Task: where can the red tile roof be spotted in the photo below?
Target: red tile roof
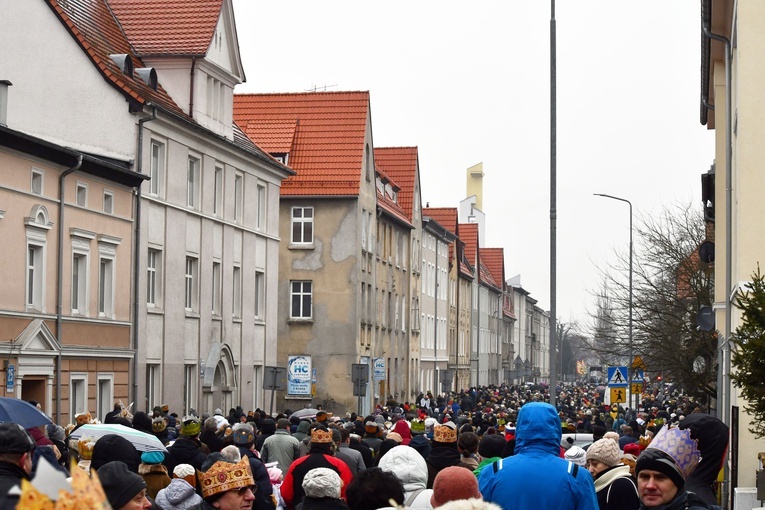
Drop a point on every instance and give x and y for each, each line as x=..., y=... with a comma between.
x=485, y=275
x=465, y=270
x=168, y=27
x=494, y=259
x=328, y=142
x=469, y=235
x=400, y=163
x=444, y=216
x=98, y=33
x=275, y=137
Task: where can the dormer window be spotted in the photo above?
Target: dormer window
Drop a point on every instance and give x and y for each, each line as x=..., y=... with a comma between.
x=281, y=157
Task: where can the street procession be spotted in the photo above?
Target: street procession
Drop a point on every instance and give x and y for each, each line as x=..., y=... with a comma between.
x=520, y=285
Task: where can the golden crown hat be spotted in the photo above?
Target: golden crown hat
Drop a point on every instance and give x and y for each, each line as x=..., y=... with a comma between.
x=446, y=433
x=321, y=436
x=49, y=490
x=224, y=476
x=677, y=443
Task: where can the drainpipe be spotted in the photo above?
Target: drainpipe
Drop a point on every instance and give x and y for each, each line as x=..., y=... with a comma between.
x=60, y=279
x=726, y=393
x=137, y=252
x=191, y=86
x=435, y=329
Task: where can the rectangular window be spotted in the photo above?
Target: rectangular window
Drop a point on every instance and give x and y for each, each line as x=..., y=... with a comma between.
x=261, y=219
x=237, y=298
x=35, y=276
x=218, y=196
x=78, y=394
x=238, y=197
x=216, y=288
x=104, y=395
x=79, y=283
x=301, y=293
x=108, y=202
x=260, y=287
x=189, y=387
x=302, y=225
x=82, y=194
x=37, y=181
x=152, y=386
x=191, y=284
x=192, y=183
x=106, y=287
x=157, y=167
x=153, y=277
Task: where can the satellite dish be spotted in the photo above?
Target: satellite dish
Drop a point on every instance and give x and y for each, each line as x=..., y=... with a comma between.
x=705, y=318
x=707, y=252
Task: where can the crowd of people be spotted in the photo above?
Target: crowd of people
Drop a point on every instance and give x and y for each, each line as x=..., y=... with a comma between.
x=483, y=448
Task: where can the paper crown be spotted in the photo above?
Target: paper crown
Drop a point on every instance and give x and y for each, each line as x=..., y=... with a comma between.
x=49, y=490
x=243, y=433
x=158, y=425
x=224, y=476
x=446, y=433
x=321, y=436
x=678, y=444
x=83, y=418
x=418, y=426
x=85, y=447
x=191, y=426
x=371, y=427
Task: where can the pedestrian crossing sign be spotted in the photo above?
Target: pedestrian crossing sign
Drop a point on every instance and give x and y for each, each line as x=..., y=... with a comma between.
x=618, y=395
x=617, y=376
x=638, y=377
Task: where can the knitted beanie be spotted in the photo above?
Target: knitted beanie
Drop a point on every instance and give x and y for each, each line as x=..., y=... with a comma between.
x=120, y=485
x=576, y=455
x=322, y=483
x=657, y=460
x=491, y=445
x=187, y=472
x=605, y=451
x=453, y=483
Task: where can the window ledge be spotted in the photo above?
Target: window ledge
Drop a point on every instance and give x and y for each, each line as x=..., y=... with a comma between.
x=216, y=317
x=191, y=314
x=309, y=246
x=154, y=310
x=299, y=321
x=236, y=320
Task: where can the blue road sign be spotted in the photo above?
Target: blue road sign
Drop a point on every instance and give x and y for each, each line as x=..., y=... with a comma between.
x=617, y=376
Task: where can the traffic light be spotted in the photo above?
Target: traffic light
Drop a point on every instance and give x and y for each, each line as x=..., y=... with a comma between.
x=658, y=377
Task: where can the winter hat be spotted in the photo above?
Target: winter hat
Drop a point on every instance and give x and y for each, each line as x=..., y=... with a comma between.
x=632, y=448
x=119, y=483
x=576, y=455
x=491, y=445
x=395, y=436
x=605, y=451
x=612, y=436
x=112, y=447
x=322, y=483
x=453, y=483
x=55, y=432
x=243, y=434
x=152, y=457
x=598, y=432
x=422, y=444
x=187, y=472
x=672, y=452
x=662, y=462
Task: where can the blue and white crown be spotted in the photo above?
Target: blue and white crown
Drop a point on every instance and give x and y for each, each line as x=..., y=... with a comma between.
x=678, y=444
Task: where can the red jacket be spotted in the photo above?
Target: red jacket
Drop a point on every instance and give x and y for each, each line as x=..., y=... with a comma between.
x=292, y=486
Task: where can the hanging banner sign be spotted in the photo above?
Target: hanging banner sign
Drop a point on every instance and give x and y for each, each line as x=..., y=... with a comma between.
x=299, y=375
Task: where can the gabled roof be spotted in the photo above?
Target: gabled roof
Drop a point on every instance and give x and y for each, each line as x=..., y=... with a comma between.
x=445, y=216
x=400, y=163
x=274, y=137
x=465, y=269
x=494, y=260
x=98, y=33
x=469, y=235
x=485, y=275
x=168, y=27
x=387, y=204
x=327, y=151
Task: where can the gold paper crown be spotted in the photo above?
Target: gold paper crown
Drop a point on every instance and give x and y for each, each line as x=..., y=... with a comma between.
x=321, y=436
x=224, y=476
x=85, y=493
x=678, y=444
x=445, y=433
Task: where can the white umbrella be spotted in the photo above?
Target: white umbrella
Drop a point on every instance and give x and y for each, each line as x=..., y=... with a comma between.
x=142, y=441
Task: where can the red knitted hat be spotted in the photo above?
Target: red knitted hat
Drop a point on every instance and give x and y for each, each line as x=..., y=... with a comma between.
x=454, y=483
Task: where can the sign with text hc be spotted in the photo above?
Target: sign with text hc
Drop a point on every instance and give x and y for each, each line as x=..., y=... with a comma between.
x=299, y=375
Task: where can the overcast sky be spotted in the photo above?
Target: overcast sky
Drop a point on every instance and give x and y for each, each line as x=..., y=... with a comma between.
x=470, y=83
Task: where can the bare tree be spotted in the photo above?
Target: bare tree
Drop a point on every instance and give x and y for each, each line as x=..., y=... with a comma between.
x=670, y=284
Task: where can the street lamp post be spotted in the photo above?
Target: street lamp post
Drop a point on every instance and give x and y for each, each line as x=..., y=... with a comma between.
x=629, y=365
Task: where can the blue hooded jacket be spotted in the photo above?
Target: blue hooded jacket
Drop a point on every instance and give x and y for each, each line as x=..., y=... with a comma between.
x=536, y=477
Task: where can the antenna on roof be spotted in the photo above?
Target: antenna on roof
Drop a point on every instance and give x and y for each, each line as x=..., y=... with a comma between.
x=317, y=88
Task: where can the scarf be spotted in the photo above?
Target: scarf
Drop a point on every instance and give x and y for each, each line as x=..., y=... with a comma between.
x=607, y=477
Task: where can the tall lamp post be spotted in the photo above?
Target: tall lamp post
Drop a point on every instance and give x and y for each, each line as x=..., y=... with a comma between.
x=629, y=366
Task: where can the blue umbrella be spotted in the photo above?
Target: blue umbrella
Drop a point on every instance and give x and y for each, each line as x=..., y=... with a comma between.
x=21, y=412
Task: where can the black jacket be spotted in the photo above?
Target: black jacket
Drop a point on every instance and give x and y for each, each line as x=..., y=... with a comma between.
x=259, y=471
x=10, y=481
x=184, y=451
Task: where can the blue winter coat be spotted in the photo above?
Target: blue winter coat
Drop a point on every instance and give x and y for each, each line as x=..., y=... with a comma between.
x=536, y=477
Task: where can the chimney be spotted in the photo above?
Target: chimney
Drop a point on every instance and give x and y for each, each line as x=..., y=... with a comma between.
x=4, y=84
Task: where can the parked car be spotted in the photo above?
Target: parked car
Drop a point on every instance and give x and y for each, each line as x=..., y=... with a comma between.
x=580, y=439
